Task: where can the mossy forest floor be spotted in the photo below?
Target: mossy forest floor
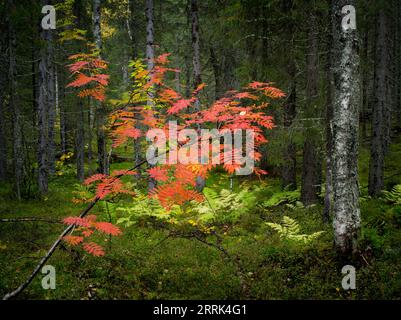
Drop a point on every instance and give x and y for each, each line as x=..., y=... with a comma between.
x=144, y=263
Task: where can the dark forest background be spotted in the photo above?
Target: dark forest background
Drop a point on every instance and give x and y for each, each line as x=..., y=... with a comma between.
x=51, y=140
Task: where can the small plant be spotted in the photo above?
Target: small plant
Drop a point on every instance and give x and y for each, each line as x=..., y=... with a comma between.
x=290, y=230
x=393, y=196
x=288, y=197
x=63, y=165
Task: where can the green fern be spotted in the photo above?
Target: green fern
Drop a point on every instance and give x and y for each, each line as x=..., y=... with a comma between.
x=289, y=230
x=289, y=197
x=393, y=196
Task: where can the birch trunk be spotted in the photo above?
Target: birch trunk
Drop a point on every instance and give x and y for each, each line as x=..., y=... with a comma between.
x=346, y=101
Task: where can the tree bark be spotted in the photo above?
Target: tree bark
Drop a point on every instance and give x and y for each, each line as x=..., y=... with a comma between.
x=3, y=85
x=196, y=46
x=397, y=67
x=346, y=101
x=328, y=197
x=379, y=115
x=311, y=166
x=150, y=56
x=42, y=117
x=200, y=182
x=17, y=116
x=80, y=142
x=289, y=168
x=51, y=104
x=100, y=109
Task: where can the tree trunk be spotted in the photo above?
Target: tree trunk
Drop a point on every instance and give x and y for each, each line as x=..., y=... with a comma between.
x=346, y=101
x=289, y=169
x=51, y=105
x=17, y=116
x=196, y=46
x=42, y=117
x=63, y=115
x=200, y=182
x=311, y=167
x=100, y=109
x=376, y=172
x=329, y=118
x=150, y=56
x=80, y=142
x=397, y=106
x=3, y=85
x=217, y=73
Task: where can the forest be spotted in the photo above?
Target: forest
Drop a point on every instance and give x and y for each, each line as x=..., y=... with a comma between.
x=200, y=149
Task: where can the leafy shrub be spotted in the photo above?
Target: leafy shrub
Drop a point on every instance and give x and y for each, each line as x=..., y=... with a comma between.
x=393, y=196
x=289, y=197
x=289, y=230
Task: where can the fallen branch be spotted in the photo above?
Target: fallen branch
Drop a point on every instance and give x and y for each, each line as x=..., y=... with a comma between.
x=64, y=233
x=59, y=240
x=47, y=220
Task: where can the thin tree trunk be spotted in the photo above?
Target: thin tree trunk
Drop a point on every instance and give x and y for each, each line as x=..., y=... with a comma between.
x=200, y=182
x=90, y=136
x=18, y=153
x=196, y=46
x=42, y=117
x=63, y=121
x=51, y=105
x=289, y=167
x=150, y=56
x=80, y=142
x=397, y=106
x=217, y=73
x=328, y=197
x=3, y=84
x=100, y=109
x=346, y=101
x=311, y=166
x=376, y=172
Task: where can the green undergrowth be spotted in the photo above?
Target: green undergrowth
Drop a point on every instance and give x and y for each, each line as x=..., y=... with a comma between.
x=150, y=261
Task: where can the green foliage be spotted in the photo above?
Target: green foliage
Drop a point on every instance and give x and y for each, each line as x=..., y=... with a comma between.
x=64, y=165
x=143, y=207
x=393, y=196
x=289, y=230
x=278, y=198
x=371, y=237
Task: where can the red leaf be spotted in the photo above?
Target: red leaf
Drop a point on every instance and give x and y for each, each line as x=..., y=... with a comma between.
x=94, y=249
x=73, y=240
x=80, y=81
x=159, y=174
x=108, y=228
x=179, y=105
x=94, y=178
x=82, y=222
